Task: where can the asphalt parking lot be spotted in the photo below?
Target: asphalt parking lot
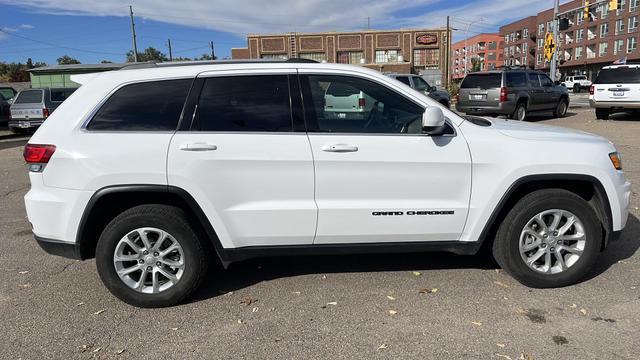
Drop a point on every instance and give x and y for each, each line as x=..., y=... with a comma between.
x=427, y=306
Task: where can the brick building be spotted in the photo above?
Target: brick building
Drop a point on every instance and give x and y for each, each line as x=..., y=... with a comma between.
x=400, y=51
x=520, y=42
x=487, y=48
x=587, y=46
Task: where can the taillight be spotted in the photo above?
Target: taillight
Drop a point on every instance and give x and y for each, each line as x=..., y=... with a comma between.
x=361, y=103
x=38, y=154
x=503, y=94
x=591, y=90
x=45, y=113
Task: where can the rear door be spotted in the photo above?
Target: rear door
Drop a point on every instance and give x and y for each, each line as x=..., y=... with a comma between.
x=620, y=84
x=244, y=162
x=551, y=95
x=481, y=89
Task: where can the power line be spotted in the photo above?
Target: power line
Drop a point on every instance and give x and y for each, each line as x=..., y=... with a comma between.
x=59, y=46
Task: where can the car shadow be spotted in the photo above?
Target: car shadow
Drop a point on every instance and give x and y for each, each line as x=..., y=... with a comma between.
x=244, y=274
x=625, y=116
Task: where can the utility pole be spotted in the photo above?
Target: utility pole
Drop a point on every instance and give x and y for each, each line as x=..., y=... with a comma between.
x=554, y=59
x=133, y=35
x=368, y=22
x=170, y=53
x=213, y=56
x=447, y=65
x=466, y=36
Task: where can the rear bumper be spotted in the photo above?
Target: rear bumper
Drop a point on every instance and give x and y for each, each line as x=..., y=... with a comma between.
x=59, y=248
x=505, y=108
x=25, y=124
x=614, y=104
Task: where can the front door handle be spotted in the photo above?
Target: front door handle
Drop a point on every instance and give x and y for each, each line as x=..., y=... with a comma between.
x=198, y=147
x=340, y=148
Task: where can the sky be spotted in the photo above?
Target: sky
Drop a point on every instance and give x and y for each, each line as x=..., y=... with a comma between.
x=95, y=30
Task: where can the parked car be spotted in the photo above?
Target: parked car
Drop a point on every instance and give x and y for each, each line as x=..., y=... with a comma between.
x=33, y=106
x=418, y=83
x=159, y=173
x=514, y=93
x=343, y=101
x=616, y=88
x=6, y=98
x=576, y=82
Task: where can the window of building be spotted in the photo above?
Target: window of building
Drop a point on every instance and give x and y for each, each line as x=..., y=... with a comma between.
x=148, y=106
x=386, y=56
x=540, y=43
x=525, y=33
x=579, y=18
x=578, y=52
x=602, y=49
x=591, y=33
x=244, y=103
x=603, y=10
x=633, y=5
x=525, y=47
x=540, y=29
x=274, y=56
x=618, y=46
x=539, y=58
x=580, y=35
x=604, y=30
x=378, y=109
x=350, y=57
x=429, y=58
x=632, y=45
x=633, y=23
x=619, y=26
x=316, y=56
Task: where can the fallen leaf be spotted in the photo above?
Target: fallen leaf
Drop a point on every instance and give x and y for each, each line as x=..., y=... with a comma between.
x=120, y=351
x=97, y=349
x=390, y=297
x=80, y=303
x=383, y=346
x=83, y=348
x=25, y=286
x=248, y=301
x=500, y=345
x=503, y=356
x=99, y=312
x=583, y=311
x=477, y=323
x=505, y=298
x=501, y=284
x=434, y=290
x=392, y=312
x=524, y=356
x=23, y=272
x=417, y=273
x=428, y=291
x=573, y=306
x=255, y=309
x=633, y=288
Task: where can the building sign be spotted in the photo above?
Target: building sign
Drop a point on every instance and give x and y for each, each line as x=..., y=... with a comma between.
x=427, y=39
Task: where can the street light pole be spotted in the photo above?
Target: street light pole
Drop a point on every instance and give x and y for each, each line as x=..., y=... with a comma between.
x=466, y=36
x=554, y=59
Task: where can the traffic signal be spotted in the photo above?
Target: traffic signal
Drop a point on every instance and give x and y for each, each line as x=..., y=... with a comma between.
x=586, y=10
x=613, y=5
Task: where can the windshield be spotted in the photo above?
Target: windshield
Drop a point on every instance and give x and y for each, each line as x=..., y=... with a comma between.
x=29, y=97
x=420, y=84
x=580, y=78
x=6, y=94
x=482, y=81
x=621, y=75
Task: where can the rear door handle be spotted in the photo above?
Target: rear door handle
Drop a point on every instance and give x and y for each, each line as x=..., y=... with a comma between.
x=340, y=148
x=198, y=147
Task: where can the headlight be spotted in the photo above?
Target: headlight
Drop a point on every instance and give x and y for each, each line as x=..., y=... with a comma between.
x=615, y=160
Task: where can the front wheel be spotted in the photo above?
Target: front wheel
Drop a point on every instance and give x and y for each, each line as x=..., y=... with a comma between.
x=561, y=109
x=149, y=256
x=550, y=238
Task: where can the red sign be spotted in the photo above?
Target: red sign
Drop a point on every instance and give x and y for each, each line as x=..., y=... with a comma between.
x=427, y=39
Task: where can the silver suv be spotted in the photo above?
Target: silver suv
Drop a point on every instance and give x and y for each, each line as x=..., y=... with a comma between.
x=513, y=93
x=33, y=106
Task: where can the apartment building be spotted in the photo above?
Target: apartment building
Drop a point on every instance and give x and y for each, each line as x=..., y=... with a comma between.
x=486, y=49
x=520, y=39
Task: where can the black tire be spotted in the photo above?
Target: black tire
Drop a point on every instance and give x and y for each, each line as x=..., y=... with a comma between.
x=576, y=88
x=602, y=114
x=517, y=115
x=167, y=218
x=506, y=244
x=445, y=104
x=561, y=108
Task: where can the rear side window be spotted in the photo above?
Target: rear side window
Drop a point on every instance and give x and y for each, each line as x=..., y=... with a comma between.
x=7, y=94
x=482, y=81
x=29, y=97
x=343, y=90
x=533, y=80
x=517, y=79
x=629, y=75
x=149, y=106
x=403, y=79
x=60, y=95
x=244, y=103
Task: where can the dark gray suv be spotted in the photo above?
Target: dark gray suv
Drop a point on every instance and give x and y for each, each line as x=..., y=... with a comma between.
x=513, y=93
x=418, y=83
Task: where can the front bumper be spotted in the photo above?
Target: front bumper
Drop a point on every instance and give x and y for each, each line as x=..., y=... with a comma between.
x=59, y=248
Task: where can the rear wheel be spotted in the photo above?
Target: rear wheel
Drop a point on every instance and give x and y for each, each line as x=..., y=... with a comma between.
x=561, y=108
x=520, y=113
x=602, y=114
x=550, y=238
x=149, y=256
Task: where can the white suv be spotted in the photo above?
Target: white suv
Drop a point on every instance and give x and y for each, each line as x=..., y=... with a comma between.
x=616, y=88
x=576, y=83
x=158, y=171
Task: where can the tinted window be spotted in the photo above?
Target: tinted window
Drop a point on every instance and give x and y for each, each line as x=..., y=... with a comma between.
x=29, y=97
x=60, y=95
x=516, y=79
x=404, y=79
x=377, y=109
x=580, y=78
x=482, y=81
x=545, y=81
x=7, y=94
x=629, y=75
x=342, y=90
x=420, y=84
x=533, y=80
x=245, y=103
x=144, y=106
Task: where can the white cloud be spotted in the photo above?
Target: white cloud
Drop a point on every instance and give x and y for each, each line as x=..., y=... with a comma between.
x=26, y=26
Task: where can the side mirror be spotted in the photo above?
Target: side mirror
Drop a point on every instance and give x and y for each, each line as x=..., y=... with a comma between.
x=432, y=89
x=433, y=121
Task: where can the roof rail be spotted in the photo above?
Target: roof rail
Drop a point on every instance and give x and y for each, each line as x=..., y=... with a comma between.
x=153, y=64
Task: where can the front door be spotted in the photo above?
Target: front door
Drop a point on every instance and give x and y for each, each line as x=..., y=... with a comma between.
x=378, y=177
x=241, y=159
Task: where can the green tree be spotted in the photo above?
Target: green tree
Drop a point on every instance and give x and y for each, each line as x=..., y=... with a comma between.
x=67, y=60
x=206, y=57
x=13, y=72
x=475, y=64
x=106, y=62
x=180, y=58
x=149, y=54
